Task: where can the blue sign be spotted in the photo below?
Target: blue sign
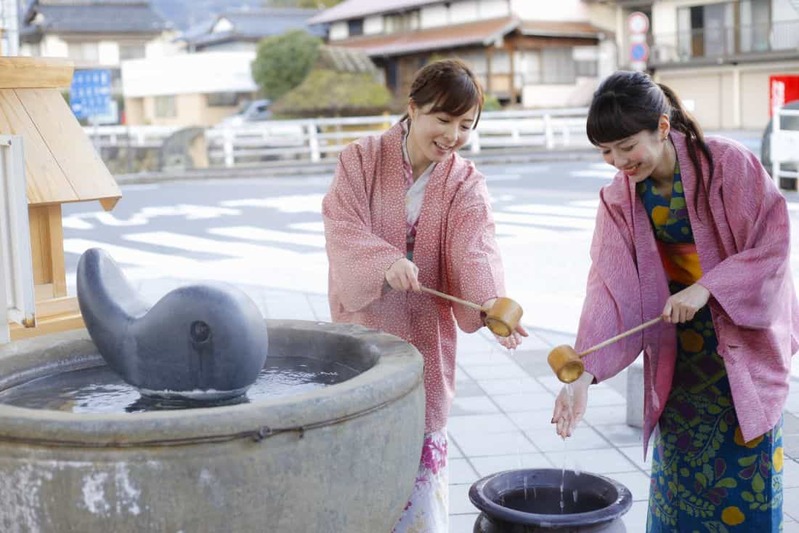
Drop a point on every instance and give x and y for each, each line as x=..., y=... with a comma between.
x=639, y=52
x=90, y=93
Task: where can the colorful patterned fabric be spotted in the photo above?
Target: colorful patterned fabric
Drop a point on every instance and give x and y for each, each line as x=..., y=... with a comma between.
x=705, y=478
x=427, y=511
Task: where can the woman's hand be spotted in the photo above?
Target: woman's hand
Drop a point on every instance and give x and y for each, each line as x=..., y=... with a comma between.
x=682, y=307
x=570, y=405
x=512, y=341
x=403, y=275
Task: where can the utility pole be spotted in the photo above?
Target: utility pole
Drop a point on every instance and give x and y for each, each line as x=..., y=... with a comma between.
x=9, y=28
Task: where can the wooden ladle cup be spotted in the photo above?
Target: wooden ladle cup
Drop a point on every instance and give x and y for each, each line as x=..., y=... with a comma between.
x=568, y=364
x=501, y=318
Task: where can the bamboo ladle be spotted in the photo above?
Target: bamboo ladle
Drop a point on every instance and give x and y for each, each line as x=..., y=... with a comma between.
x=568, y=364
x=501, y=318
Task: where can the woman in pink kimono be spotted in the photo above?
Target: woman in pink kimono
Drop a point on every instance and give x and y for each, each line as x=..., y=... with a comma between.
x=404, y=211
x=694, y=230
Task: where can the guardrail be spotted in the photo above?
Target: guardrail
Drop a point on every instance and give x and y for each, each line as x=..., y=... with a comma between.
x=315, y=139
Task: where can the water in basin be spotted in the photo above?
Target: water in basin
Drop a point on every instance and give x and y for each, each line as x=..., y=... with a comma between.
x=98, y=389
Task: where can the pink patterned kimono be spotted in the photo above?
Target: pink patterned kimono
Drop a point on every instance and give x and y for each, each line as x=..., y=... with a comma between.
x=743, y=242
x=455, y=250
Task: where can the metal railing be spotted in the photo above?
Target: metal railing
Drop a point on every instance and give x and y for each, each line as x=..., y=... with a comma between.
x=728, y=41
x=316, y=139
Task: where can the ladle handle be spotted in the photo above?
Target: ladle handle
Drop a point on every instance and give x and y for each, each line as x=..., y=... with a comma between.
x=453, y=298
x=620, y=336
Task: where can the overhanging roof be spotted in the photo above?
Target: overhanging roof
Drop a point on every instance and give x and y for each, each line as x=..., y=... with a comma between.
x=475, y=33
x=552, y=28
x=351, y=9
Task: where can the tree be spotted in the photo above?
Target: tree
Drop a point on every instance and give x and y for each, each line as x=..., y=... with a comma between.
x=282, y=62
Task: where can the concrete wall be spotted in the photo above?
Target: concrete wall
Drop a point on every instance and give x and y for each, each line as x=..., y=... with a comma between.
x=727, y=97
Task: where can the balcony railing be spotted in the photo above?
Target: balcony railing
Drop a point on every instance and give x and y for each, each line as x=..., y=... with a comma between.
x=738, y=42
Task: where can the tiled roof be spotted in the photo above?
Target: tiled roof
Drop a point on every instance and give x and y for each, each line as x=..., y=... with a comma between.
x=551, y=28
x=93, y=17
x=350, y=9
x=252, y=25
x=483, y=32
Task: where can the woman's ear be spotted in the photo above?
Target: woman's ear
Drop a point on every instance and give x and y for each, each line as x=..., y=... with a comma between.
x=664, y=127
x=412, y=109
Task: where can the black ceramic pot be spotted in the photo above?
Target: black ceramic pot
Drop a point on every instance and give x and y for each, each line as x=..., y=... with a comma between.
x=531, y=501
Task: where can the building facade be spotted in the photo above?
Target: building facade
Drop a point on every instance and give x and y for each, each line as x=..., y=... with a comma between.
x=718, y=55
x=523, y=54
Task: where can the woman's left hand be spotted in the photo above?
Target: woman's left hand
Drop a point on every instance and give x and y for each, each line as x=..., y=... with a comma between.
x=682, y=306
x=512, y=341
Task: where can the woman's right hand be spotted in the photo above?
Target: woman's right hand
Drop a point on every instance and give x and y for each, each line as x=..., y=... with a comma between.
x=570, y=405
x=403, y=275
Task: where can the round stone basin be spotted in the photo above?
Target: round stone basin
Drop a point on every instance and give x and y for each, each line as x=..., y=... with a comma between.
x=334, y=456
x=541, y=499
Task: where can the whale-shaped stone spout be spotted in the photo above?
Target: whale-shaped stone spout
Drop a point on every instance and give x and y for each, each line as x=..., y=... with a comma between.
x=198, y=342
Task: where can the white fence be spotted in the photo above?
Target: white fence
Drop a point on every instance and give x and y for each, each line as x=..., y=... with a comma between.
x=315, y=139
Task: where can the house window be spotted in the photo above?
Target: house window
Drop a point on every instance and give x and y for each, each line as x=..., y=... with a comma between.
x=84, y=52
x=131, y=51
x=228, y=99
x=707, y=30
x=165, y=107
x=558, y=66
x=756, y=30
x=355, y=27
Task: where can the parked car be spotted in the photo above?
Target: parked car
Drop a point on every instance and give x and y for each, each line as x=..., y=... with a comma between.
x=250, y=112
x=789, y=123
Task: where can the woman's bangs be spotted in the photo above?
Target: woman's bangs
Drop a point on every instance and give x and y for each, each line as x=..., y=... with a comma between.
x=457, y=101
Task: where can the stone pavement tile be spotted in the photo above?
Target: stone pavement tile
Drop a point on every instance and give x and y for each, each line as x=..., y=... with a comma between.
x=636, y=455
x=459, y=502
x=621, y=434
x=600, y=415
x=534, y=362
x=517, y=403
x=463, y=523
x=637, y=482
x=602, y=461
x=486, y=466
x=790, y=503
x=482, y=357
x=790, y=474
x=483, y=424
x=790, y=432
x=556, y=338
x=467, y=388
x=507, y=370
x=535, y=421
x=585, y=438
x=453, y=450
x=461, y=471
x=473, y=405
x=520, y=385
x=320, y=307
x=602, y=395
x=286, y=305
x=478, y=445
x=635, y=519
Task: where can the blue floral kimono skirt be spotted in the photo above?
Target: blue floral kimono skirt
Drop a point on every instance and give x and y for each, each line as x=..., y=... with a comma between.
x=705, y=478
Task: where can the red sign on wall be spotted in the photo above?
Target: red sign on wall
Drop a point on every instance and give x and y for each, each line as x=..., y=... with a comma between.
x=781, y=90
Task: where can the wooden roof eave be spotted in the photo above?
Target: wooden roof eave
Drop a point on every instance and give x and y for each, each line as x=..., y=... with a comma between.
x=61, y=164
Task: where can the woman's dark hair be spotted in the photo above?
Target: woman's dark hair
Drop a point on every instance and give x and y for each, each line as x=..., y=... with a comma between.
x=628, y=102
x=450, y=85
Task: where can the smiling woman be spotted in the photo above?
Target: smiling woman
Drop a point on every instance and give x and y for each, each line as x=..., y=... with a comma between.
x=405, y=211
x=693, y=230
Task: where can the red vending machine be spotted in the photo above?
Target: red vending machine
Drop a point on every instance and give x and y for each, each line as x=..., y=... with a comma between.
x=783, y=88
